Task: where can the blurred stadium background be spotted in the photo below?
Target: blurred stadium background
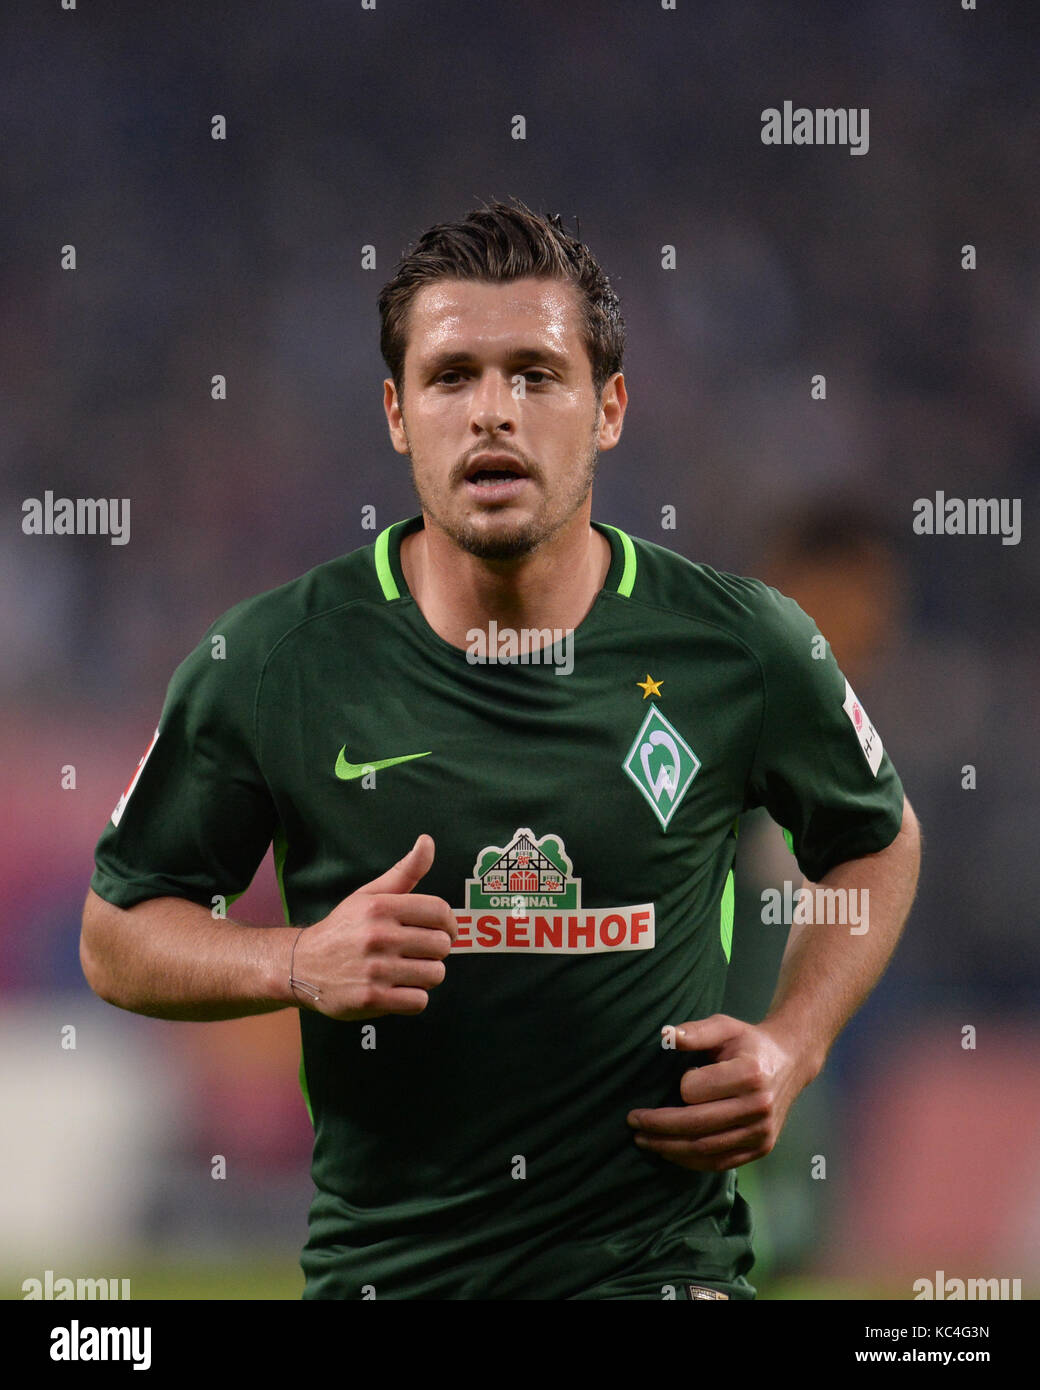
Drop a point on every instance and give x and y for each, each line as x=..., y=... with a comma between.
x=349, y=128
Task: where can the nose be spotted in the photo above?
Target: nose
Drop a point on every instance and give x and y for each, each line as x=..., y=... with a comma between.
x=493, y=405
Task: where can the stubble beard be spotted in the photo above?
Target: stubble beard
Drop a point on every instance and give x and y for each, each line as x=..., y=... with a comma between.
x=524, y=537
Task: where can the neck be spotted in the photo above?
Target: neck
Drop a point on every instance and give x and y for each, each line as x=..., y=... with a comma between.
x=554, y=587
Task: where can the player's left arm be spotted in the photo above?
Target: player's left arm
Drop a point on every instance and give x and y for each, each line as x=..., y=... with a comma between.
x=736, y=1106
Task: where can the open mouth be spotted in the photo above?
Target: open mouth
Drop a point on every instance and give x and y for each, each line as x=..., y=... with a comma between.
x=490, y=477
x=493, y=486
x=496, y=477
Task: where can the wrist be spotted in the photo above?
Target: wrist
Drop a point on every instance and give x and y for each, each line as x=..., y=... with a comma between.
x=277, y=963
x=807, y=1052
x=305, y=993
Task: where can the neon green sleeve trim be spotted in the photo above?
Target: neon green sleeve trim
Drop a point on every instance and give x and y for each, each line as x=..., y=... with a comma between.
x=280, y=848
x=303, y=1088
x=726, y=916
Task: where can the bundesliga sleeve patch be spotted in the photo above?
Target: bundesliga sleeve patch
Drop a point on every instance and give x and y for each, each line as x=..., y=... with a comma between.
x=869, y=738
x=117, y=814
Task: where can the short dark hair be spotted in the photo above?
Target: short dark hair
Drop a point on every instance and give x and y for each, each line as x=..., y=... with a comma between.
x=496, y=244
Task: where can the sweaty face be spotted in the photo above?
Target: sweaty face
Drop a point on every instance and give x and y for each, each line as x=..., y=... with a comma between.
x=499, y=419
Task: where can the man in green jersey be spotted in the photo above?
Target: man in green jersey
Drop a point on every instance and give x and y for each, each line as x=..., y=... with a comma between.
x=501, y=755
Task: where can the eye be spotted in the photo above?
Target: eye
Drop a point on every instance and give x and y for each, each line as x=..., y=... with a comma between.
x=537, y=371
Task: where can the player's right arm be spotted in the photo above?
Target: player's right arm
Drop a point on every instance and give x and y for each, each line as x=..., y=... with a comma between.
x=380, y=951
x=194, y=825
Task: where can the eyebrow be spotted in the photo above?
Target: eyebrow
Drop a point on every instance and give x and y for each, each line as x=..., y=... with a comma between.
x=441, y=361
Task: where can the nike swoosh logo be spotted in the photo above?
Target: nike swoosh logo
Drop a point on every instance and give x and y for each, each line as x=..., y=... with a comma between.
x=347, y=771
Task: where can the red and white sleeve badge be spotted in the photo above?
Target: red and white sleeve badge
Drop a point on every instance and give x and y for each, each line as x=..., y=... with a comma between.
x=117, y=814
x=869, y=738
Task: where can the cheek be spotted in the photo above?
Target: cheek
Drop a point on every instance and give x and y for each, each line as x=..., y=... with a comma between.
x=425, y=433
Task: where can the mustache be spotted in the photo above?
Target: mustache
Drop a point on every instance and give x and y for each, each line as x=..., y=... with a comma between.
x=460, y=469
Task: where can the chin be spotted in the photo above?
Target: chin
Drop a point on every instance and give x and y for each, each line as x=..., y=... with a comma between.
x=501, y=545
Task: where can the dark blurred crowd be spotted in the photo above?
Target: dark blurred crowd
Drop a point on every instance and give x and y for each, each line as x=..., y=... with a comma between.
x=349, y=128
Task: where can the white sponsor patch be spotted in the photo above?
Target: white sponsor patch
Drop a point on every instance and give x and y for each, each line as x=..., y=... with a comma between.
x=117, y=814
x=533, y=880
x=568, y=933
x=869, y=738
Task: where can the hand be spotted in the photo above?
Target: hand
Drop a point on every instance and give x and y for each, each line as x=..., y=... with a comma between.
x=735, y=1107
x=382, y=949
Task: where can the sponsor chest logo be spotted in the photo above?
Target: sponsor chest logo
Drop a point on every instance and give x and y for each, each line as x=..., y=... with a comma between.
x=662, y=765
x=524, y=897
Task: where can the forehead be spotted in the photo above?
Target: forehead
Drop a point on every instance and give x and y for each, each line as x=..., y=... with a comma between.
x=456, y=314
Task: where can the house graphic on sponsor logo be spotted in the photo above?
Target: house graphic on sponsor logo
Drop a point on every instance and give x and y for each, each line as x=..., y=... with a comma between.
x=527, y=873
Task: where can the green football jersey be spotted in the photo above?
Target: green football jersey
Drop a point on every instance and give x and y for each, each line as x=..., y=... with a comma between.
x=583, y=799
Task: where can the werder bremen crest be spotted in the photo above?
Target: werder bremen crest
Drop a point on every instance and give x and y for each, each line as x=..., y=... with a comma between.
x=662, y=765
x=524, y=896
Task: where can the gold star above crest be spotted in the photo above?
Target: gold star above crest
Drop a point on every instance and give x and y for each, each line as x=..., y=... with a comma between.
x=650, y=686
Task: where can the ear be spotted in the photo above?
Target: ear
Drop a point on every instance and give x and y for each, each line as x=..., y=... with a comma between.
x=613, y=404
x=394, y=417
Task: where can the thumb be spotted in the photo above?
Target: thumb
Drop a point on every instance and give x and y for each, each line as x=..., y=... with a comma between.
x=707, y=1034
x=406, y=873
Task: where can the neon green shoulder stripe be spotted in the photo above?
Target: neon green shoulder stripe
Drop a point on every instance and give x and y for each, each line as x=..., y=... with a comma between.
x=384, y=573
x=628, y=574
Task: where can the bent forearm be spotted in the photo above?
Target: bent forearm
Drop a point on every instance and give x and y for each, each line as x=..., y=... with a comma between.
x=828, y=970
x=169, y=958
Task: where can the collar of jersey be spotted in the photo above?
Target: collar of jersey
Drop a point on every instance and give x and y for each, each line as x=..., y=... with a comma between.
x=387, y=556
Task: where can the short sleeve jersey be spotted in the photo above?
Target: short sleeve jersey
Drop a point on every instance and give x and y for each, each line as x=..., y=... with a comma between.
x=583, y=798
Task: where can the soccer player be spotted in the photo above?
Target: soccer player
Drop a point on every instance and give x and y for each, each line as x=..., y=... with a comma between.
x=501, y=755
